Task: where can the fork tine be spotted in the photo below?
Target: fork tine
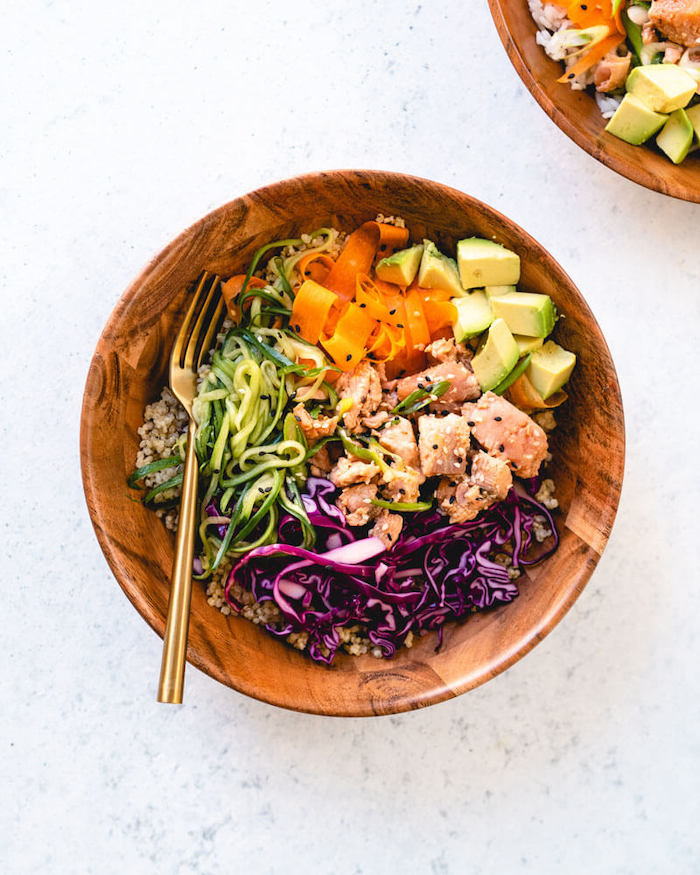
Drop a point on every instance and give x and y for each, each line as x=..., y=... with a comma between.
x=202, y=325
x=215, y=324
x=186, y=328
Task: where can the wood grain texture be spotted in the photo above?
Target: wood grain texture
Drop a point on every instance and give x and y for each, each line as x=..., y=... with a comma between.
x=577, y=113
x=128, y=371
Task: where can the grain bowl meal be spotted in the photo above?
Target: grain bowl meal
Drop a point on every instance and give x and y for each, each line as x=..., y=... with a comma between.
x=372, y=438
x=641, y=60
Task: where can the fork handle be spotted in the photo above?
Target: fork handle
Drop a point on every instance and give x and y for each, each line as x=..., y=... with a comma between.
x=172, y=669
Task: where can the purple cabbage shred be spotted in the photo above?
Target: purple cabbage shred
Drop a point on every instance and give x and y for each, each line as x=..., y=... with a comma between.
x=436, y=572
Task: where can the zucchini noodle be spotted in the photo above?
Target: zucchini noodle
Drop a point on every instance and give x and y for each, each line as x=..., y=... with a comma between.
x=251, y=451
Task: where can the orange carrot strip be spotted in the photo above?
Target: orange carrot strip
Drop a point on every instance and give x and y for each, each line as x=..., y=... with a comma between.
x=359, y=252
x=524, y=395
x=346, y=346
x=312, y=304
x=590, y=58
x=417, y=324
x=231, y=289
x=439, y=315
x=316, y=266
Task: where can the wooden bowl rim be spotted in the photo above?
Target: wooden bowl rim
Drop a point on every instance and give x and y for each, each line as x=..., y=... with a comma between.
x=632, y=171
x=132, y=589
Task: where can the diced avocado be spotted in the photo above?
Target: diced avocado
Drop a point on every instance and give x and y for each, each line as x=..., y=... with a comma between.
x=438, y=271
x=401, y=267
x=694, y=118
x=662, y=87
x=634, y=122
x=496, y=356
x=498, y=291
x=526, y=313
x=676, y=136
x=485, y=263
x=474, y=315
x=527, y=344
x=550, y=367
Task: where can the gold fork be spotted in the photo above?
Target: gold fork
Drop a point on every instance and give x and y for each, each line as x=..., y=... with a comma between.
x=199, y=329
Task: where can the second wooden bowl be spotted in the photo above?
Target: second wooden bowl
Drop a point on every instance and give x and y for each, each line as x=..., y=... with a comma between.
x=577, y=113
x=129, y=368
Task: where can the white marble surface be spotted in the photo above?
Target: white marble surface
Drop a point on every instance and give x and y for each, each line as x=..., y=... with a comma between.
x=121, y=124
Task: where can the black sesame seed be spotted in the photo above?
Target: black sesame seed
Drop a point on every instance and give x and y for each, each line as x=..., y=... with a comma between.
x=363, y=399
x=459, y=460
x=445, y=412
x=498, y=418
x=298, y=418
x=452, y=499
x=391, y=312
x=348, y=357
x=501, y=448
x=471, y=423
x=362, y=306
x=297, y=328
x=402, y=491
x=435, y=446
x=571, y=76
x=453, y=483
x=513, y=464
x=399, y=324
x=584, y=6
x=383, y=247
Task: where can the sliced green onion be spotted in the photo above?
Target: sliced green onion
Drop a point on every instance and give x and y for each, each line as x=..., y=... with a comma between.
x=420, y=398
x=414, y=506
x=152, y=467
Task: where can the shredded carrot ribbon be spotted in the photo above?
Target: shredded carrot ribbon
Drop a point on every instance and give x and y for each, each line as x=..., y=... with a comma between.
x=524, y=395
x=311, y=308
x=590, y=58
x=346, y=346
x=316, y=266
x=359, y=252
x=231, y=289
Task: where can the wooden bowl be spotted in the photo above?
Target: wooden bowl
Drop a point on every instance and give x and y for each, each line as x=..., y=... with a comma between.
x=129, y=369
x=577, y=113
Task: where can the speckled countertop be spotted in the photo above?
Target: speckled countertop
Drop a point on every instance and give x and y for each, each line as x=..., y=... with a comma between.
x=123, y=123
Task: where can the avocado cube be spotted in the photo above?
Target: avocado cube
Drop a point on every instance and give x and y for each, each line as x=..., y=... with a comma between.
x=694, y=118
x=498, y=291
x=474, y=315
x=496, y=357
x=437, y=271
x=485, y=263
x=550, y=368
x=526, y=313
x=676, y=137
x=401, y=267
x=527, y=344
x=634, y=122
x=662, y=87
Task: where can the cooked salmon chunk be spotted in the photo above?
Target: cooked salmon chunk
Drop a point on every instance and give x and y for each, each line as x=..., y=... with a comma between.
x=459, y=500
x=491, y=474
x=463, y=383
x=677, y=20
x=399, y=438
x=446, y=350
x=387, y=528
x=314, y=429
x=356, y=504
x=363, y=387
x=348, y=471
x=507, y=433
x=443, y=444
x=402, y=484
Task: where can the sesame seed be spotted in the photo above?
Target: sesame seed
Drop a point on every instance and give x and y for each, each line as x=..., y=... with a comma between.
x=459, y=460
x=435, y=446
x=348, y=357
x=471, y=423
x=362, y=306
x=452, y=499
x=391, y=312
x=501, y=448
x=498, y=418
